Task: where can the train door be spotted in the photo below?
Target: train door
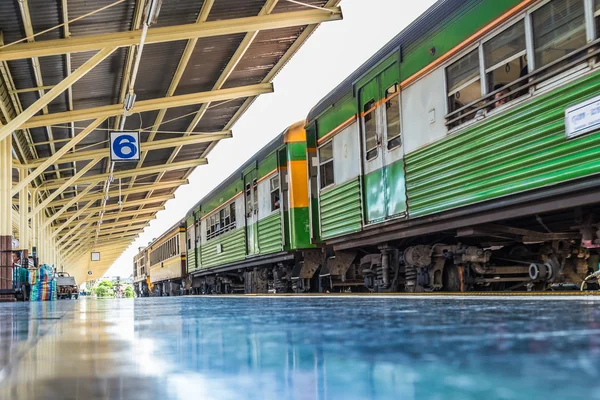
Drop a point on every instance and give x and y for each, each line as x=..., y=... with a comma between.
x=392, y=147
x=383, y=155
x=251, y=198
x=372, y=154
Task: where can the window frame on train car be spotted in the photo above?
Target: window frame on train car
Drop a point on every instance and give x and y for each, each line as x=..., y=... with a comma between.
x=323, y=163
x=191, y=237
x=275, y=192
x=388, y=98
x=530, y=16
x=453, y=91
x=369, y=109
x=489, y=70
x=596, y=19
x=514, y=96
x=213, y=220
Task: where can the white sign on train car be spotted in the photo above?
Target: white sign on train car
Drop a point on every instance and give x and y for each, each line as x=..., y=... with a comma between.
x=583, y=118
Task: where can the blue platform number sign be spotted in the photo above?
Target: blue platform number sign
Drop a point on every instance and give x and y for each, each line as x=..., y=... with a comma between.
x=124, y=146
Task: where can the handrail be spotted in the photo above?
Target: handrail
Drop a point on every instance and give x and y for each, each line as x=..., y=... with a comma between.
x=491, y=96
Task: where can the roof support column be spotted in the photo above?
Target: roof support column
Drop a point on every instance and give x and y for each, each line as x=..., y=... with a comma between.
x=23, y=214
x=6, y=272
x=35, y=221
x=43, y=101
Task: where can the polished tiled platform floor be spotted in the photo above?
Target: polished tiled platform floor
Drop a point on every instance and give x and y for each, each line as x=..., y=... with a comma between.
x=301, y=348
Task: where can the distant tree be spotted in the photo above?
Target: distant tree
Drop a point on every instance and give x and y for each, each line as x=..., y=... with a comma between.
x=129, y=292
x=101, y=291
x=104, y=289
x=107, y=284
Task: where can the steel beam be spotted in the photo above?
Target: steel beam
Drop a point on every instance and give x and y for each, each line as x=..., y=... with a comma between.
x=196, y=138
x=138, y=189
x=69, y=182
x=78, y=231
x=111, y=227
x=112, y=207
x=143, y=220
x=64, y=208
x=148, y=105
x=183, y=62
x=69, y=224
x=228, y=70
x=170, y=33
x=24, y=215
x=112, y=231
x=56, y=156
x=5, y=186
x=43, y=101
x=129, y=173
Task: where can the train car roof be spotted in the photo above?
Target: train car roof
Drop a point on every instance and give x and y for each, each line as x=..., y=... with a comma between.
x=262, y=153
x=426, y=22
x=178, y=224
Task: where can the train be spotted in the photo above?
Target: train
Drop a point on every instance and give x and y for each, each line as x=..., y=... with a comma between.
x=160, y=268
x=464, y=155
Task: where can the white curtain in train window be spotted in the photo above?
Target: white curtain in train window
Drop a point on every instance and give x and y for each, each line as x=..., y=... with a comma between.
x=558, y=29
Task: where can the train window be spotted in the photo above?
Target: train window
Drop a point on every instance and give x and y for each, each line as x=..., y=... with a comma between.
x=505, y=57
x=191, y=237
x=464, y=85
x=326, y=165
x=221, y=220
x=274, y=184
x=255, y=195
x=370, y=129
x=225, y=211
x=232, y=212
x=558, y=29
x=392, y=115
x=248, y=200
x=597, y=17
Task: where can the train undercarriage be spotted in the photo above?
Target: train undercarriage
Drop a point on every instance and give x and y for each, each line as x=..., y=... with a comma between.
x=557, y=251
x=174, y=287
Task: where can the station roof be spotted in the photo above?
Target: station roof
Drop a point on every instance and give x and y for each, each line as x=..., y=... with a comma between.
x=201, y=65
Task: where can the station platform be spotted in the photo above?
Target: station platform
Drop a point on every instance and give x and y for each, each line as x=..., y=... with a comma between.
x=350, y=347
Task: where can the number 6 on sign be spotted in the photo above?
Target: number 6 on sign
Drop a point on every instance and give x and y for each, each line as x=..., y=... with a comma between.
x=124, y=146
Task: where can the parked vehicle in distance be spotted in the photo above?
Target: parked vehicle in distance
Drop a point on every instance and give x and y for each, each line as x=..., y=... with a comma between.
x=66, y=286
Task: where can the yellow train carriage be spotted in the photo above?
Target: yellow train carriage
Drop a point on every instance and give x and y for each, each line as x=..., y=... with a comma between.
x=167, y=260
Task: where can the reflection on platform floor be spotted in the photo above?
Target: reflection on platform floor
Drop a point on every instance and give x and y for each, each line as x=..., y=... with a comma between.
x=300, y=348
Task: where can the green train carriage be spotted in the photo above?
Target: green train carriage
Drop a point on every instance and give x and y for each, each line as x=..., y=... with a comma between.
x=251, y=233
x=445, y=161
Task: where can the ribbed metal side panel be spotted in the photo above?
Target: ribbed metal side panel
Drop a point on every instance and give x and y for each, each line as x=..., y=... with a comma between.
x=522, y=149
x=270, y=239
x=233, y=249
x=341, y=210
x=191, y=260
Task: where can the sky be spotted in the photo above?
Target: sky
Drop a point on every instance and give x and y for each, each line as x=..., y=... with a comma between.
x=332, y=53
